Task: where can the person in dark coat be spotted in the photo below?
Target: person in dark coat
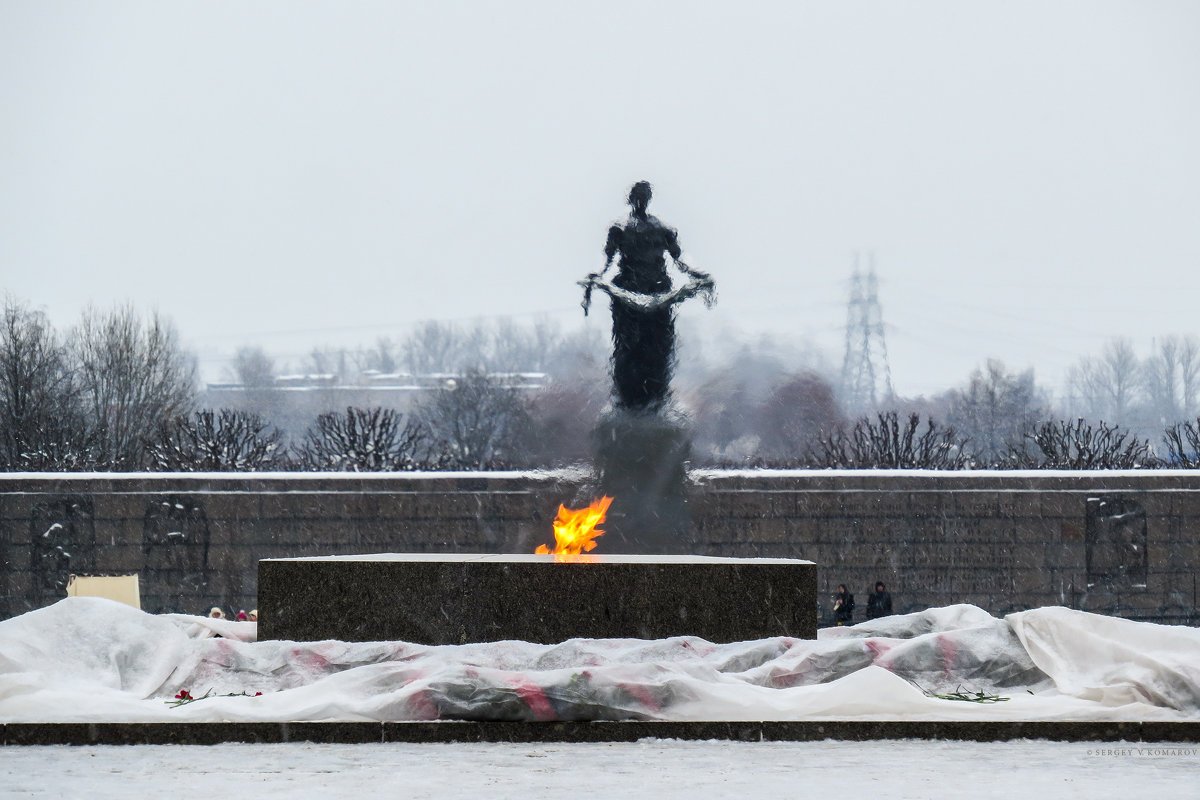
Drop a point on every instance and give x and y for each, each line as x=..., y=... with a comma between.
x=843, y=606
x=879, y=602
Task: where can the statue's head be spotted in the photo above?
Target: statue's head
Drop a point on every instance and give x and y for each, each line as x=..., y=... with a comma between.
x=639, y=197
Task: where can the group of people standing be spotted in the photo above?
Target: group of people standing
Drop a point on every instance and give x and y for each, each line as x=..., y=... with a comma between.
x=216, y=612
x=879, y=604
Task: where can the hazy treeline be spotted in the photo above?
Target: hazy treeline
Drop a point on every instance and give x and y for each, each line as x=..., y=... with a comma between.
x=117, y=392
x=479, y=417
x=1143, y=393
x=753, y=415
x=441, y=347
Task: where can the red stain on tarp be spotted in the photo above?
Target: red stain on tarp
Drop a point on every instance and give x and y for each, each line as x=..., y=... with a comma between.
x=533, y=696
x=879, y=649
x=949, y=653
x=311, y=658
x=640, y=694
x=421, y=706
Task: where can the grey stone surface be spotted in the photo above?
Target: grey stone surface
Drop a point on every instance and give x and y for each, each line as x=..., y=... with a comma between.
x=456, y=599
x=1004, y=541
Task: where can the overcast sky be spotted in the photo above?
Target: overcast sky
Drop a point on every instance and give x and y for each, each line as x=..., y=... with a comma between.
x=290, y=174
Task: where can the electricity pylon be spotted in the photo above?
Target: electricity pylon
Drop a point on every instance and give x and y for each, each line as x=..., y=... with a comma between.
x=866, y=376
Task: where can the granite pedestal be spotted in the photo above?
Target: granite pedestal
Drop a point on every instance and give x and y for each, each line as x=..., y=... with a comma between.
x=641, y=459
x=455, y=599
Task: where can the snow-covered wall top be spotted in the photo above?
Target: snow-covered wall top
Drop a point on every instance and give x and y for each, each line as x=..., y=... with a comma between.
x=1145, y=480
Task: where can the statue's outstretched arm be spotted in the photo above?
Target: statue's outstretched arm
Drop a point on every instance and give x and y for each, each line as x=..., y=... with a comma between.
x=703, y=279
x=588, y=283
x=692, y=273
x=594, y=278
x=610, y=251
x=699, y=283
x=611, y=247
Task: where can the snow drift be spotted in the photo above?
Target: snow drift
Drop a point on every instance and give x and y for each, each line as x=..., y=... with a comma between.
x=87, y=659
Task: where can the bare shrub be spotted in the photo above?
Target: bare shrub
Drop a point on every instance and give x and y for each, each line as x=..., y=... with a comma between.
x=365, y=440
x=1079, y=445
x=887, y=443
x=222, y=441
x=1183, y=444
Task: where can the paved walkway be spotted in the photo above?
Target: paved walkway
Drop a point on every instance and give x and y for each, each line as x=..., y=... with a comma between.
x=650, y=768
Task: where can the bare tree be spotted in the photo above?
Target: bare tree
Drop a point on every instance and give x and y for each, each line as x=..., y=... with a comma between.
x=798, y=411
x=480, y=422
x=254, y=368
x=365, y=440
x=222, y=441
x=579, y=360
x=886, y=443
x=256, y=373
x=522, y=348
x=727, y=401
x=1172, y=378
x=41, y=426
x=440, y=347
x=383, y=357
x=561, y=420
x=562, y=415
x=996, y=410
x=133, y=376
x=1107, y=387
x=1078, y=445
x=335, y=361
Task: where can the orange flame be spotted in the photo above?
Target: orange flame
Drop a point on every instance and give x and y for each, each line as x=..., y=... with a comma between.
x=575, y=532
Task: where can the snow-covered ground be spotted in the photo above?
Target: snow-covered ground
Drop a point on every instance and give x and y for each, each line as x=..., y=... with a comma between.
x=87, y=659
x=652, y=768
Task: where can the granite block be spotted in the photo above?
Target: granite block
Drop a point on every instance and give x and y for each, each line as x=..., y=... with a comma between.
x=455, y=599
x=208, y=733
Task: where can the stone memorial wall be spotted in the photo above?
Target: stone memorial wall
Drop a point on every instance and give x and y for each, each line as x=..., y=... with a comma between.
x=1119, y=543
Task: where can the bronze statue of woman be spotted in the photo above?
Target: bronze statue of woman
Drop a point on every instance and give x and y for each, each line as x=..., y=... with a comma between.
x=643, y=301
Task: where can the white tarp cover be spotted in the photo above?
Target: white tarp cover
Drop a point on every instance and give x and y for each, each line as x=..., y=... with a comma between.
x=89, y=659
